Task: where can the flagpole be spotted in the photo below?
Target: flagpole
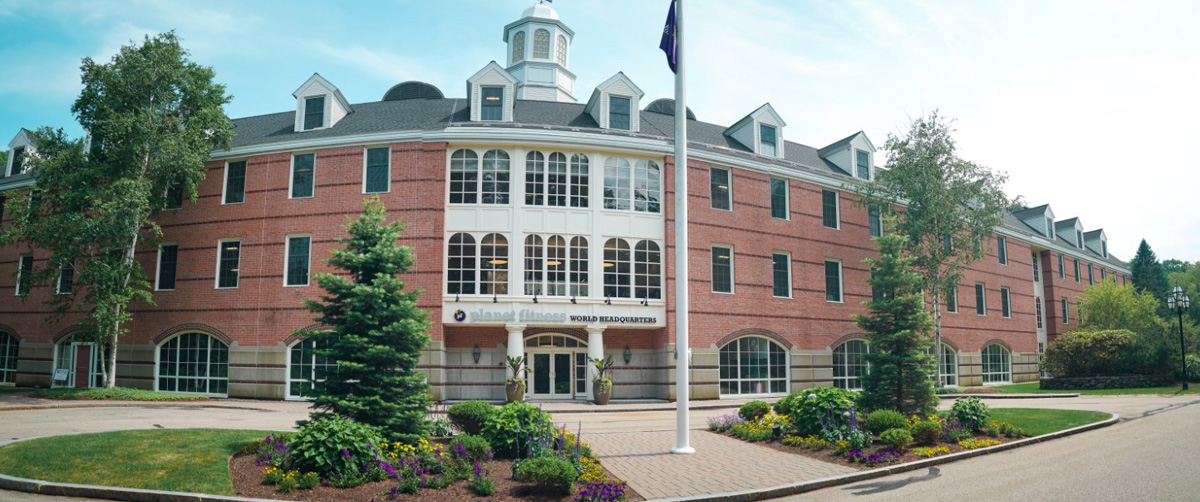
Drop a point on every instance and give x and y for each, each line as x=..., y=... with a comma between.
x=682, y=350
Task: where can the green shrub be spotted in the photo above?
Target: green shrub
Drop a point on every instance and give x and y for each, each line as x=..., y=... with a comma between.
x=926, y=431
x=789, y=404
x=476, y=447
x=549, y=473
x=897, y=438
x=1192, y=366
x=309, y=481
x=510, y=428
x=830, y=404
x=950, y=389
x=469, y=416
x=882, y=420
x=971, y=412
x=754, y=410
x=1089, y=353
x=334, y=447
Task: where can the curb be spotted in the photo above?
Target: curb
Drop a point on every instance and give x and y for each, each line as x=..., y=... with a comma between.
x=618, y=408
x=1009, y=396
x=129, y=404
x=817, y=484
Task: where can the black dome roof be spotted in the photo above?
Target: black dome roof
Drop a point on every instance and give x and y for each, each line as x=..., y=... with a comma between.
x=666, y=106
x=412, y=90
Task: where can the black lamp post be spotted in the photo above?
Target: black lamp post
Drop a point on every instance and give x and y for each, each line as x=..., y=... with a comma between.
x=1179, y=302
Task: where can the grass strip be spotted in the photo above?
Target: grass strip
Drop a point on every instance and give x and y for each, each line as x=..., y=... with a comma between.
x=114, y=394
x=1038, y=421
x=1034, y=388
x=185, y=460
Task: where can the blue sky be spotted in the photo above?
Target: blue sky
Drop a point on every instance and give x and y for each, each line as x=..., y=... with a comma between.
x=1089, y=105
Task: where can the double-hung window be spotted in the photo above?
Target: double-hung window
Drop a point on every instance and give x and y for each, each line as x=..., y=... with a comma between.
x=235, y=182
x=722, y=269
x=718, y=188
x=491, y=103
x=833, y=281
x=874, y=222
x=952, y=299
x=1065, y=311
x=1062, y=270
x=779, y=198
x=298, y=252
x=829, y=209
x=618, y=113
x=303, y=168
x=1091, y=276
x=228, y=260
x=377, y=170
x=768, y=145
x=1005, y=306
x=781, y=275
x=1002, y=249
x=66, y=280
x=1076, y=270
x=980, y=299
x=168, y=258
x=24, y=274
x=314, y=112
x=863, y=164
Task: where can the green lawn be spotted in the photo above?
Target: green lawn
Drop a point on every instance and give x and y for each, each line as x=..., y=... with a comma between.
x=1038, y=421
x=186, y=460
x=115, y=394
x=8, y=390
x=1033, y=388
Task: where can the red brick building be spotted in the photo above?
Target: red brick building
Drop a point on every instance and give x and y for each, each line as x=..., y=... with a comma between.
x=544, y=227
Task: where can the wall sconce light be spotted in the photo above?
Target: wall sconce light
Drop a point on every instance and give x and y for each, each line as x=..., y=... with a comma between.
x=475, y=353
x=645, y=301
x=572, y=300
x=627, y=354
x=535, y=298
x=607, y=301
x=455, y=297
x=494, y=300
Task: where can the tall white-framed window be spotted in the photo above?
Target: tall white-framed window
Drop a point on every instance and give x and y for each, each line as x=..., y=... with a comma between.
x=579, y=266
x=464, y=177
x=71, y=351
x=1076, y=260
x=618, y=113
x=235, y=182
x=168, y=260
x=228, y=263
x=850, y=364
x=534, y=263
x=1066, y=311
x=493, y=265
x=779, y=199
x=518, y=47
x=579, y=180
x=560, y=52
x=647, y=271
x=862, y=164
x=1037, y=303
x=830, y=216
x=1062, y=270
x=377, y=170
x=461, y=266
x=719, y=183
x=535, y=179
x=949, y=365
x=1091, y=276
x=556, y=266
x=980, y=299
x=9, y=349
x=1037, y=267
x=1002, y=249
x=833, y=281
x=304, y=166
x=997, y=366
x=491, y=104
x=781, y=275
x=647, y=186
x=66, y=280
x=24, y=274
x=753, y=365
x=767, y=142
x=1005, y=306
x=554, y=191
x=193, y=363
x=297, y=262
x=952, y=299
x=874, y=222
x=617, y=180
x=314, y=112
x=306, y=369
x=495, y=185
x=722, y=269
x=618, y=261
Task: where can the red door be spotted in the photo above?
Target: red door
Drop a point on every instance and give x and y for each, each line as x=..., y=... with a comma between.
x=83, y=365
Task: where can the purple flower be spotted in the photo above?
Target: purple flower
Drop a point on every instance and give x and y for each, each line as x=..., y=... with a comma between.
x=346, y=453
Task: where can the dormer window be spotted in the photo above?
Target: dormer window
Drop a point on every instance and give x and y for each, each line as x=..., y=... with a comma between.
x=767, y=144
x=1050, y=228
x=18, y=161
x=314, y=112
x=541, y=44
x=1104, y=249
x=863, y=162
x=1079, y=238
x=618, y=112
x=491, y=104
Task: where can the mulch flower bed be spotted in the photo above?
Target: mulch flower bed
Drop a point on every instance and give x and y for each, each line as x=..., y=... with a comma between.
x=828, y=455
x=248, y=479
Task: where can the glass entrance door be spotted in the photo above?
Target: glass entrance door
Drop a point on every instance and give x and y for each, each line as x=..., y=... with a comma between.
x=552, y=375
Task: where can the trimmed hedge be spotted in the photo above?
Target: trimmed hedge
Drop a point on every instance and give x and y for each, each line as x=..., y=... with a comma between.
x=1090, y=353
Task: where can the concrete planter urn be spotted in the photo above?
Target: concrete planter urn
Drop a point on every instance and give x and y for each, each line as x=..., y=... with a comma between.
x=514, y=387
x=602, y=385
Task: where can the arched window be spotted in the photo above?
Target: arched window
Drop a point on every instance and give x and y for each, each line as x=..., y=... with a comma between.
x=647, y=186
x=535, y=179
x=518, y=47
x=460, y=273
x=464, y=177
x=997, y=367
x=579, y=180
x=193, y=363
x=949, y=364
x=67, y=354
x=556, y=180
x=579, y=266
x=493, y=265
x=561, y=51
x=616, y=183
x=541, y=44
x=849, y=364
x=753, y=365
x=8, y=357
x=647, y=270
x=533, y=265
x=494, y=188
x=306, y=369
x=616, y=268
x=556, y=266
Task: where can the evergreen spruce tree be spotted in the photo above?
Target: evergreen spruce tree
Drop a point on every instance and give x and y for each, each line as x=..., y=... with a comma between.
x=1148, y=274
x=898, y=327
x=375, y=332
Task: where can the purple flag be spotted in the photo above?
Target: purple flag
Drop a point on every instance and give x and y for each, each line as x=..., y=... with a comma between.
x=668, y=38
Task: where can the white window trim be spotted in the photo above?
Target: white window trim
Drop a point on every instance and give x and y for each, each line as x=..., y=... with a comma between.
x=865, y=365
x=841, y=281
x=217, y=274
x=389, y=170
x=503, y=107
x=956, y=309
x=856, y=165
x=1062, y=268
x=158, y=361
x=326, y=103
x=286, y=259
x=728, y=188
x=58, y=282
x=837, y=209
x=609, y=109
x=1005, y=293
x=158, y=264
x=983, y=364
x=17, y=286
x=1066, y=310
x=292, y=175
x=981, y=287
x=732, y=272
x=788, y=256
x=774, y=128
x=787, y=198
x=1002, y=250
x=787, y=371
x=225, y=182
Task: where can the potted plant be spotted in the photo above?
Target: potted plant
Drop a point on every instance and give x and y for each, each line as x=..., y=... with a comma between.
x=602, y=385
x=514, y=387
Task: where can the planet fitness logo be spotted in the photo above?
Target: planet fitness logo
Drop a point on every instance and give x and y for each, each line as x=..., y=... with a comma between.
x=459, y=315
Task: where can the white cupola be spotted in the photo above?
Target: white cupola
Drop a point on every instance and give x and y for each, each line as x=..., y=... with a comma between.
x=539, y=53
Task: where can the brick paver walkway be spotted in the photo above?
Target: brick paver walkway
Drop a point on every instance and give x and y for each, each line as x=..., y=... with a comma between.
x=720, y=464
